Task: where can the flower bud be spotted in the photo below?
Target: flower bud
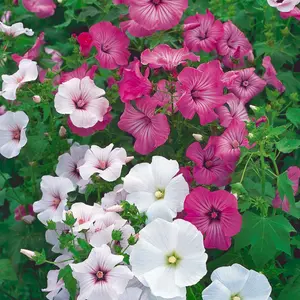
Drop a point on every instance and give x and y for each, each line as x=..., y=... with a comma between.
x=129, y=159
x=62, y=131
x=114, y=208
x=36, y=99
x=254, y=108
x=30, y=254
x=198, y=137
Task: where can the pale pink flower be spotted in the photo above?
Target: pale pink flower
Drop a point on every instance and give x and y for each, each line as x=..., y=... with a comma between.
x=54, y=200
x=149, y=129
x=81, y=72
x=55, y=287
x=215, y=214
x=270, y=75
x=201, y=92
x=13, y=133
x=294, y=13
x=25, y=214
x=111, y=44
x=135, y=29
x=293, y=174
x=82, y=100
x=209, y=168
x=157, y=14
x=134, y=84
x=163, y=56
x=6, y=16
x=42, y=8
x=101, y=275
x=11, y=83
x=284, y=5
x=68, y=164
x=247, y=85
x=114, y=197
x=233, y=109
x=105, y=162
x=2, y=110
x=202, y=32
x=15, y=29
x=56, y=57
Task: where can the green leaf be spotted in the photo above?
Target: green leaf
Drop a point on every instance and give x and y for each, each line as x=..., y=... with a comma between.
x=69, y=280
x=3, y=179
x=285, y=188
x=293, y=114
x=291, y=290
x=288, y=145
x=6, y=270
x=265, y=235
x=190, y=294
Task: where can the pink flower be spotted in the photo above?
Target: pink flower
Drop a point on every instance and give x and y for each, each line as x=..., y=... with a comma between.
x=111, y=44
x=134, y=84
x=80, y=73
x=157, y=14
x=149, y=129
x=261, y=120
x=55, y=287
x=114, y=197
x=284, y=5
x=135, y=29
x=229, y=143
x=247, y=85
x=201, y=92
x=234, y=44
x=56, y=57
x=215, y=214
x=85, y=41
x=125, y=2
x=25, y=214
x=163, y=56
x=101, y=275
x=104, y=162
x=293, y=174
x=233, y=109
x=294, y=13
x=99, y=126
x=209, y=168
x=187, y=174
x=270, y=75
x=202, y=32
x=82, y=100
x=34, y=52
x=42, y=8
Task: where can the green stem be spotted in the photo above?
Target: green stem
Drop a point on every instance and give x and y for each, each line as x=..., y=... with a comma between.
x=262, y=162
x=275, y=166
x=245, y=168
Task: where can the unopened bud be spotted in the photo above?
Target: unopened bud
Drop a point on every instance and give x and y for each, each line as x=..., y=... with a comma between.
x=62, y=131
x=36, y=99
x=114, y=208
x=250, y=135
x=129, y=159
x=30, y=254
x=198, y=137
x=254, y=108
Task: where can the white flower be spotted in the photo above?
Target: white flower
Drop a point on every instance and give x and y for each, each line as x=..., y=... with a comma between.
x=86, y=215
x=55, y=288
x=284, y=5
x=64, y=260
x=55, y=192
x=82, y=100
x=103, y=161
x=155, y=189
x=68, y=164
x=113, y=198
x=168, y=257
x=12, y=133
x=15, y=29
x=27, y=72
x=100, y=276
x=238, y=283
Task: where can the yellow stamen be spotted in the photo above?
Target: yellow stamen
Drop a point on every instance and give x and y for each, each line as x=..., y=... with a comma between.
x=172, y=260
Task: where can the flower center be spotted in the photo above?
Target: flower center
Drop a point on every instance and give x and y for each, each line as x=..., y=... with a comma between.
x=159, y=195
x=102, y=164
x=99, y=275
x=80, y=103
x=16, y=135
x=214, y=214
x=235, y=144
x=236, y=298
x=55, y=202
x=81, y=221
x=105, y=48
x=156, y=2
x=19, y=79
x=245, y=83
x=172, y=259
x=208, y=164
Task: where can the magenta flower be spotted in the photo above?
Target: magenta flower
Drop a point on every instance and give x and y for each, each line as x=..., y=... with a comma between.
x=163, y=56
x=32, y=53
x=134, y=84
x=202, y=32
x=247, y=85
x=125, y=2
x=135, y=29
x=200, y=92
x=215, y=214
x=270, y=75
x=157, y=14
x=294, y=13
x=85, y=42
x=112, y=45
x=187, y=174
x=149, y=129
x=42, y=8
x=229, y=143
x=209, y=168
x=233, y=109
x=293, y=175
x=25, y=214
x=80, y=73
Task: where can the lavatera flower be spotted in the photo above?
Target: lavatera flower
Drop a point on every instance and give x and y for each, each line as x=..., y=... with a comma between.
x=15, y=29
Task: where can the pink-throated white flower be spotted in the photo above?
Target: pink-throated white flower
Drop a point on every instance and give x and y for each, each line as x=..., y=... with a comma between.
x=15, y=29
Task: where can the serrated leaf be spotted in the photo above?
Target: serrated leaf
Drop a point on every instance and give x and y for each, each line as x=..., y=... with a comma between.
x=285, y=188
x=293, y=114
x=288, y=145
